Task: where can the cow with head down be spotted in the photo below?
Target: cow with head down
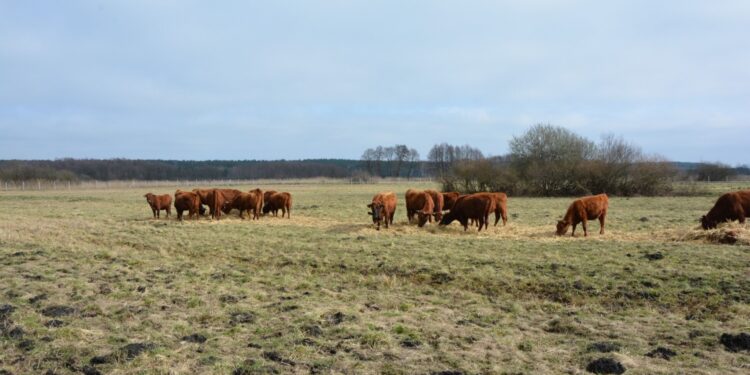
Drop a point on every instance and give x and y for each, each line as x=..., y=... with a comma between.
x=449, y=199
x=581, y=211
x=382, y=208
x=216, y=199
x=158, y=203
x=730, y=206
x=187, y=201
x=250, y=201
x=474, y=207
x=421, y=205
x=279, y=201
x=437, y=200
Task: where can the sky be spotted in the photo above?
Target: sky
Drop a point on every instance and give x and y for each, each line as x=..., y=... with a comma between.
x=161, y=79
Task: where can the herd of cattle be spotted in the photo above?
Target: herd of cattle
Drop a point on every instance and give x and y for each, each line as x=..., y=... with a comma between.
x=422, y=206
x=222, y=200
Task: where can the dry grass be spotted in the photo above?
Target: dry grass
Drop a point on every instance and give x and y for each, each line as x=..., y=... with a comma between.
x=323, y=292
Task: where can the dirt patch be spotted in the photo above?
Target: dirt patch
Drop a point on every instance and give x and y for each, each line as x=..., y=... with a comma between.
x=54, y=323
x=5, y=311
x=195, y=337
x=605, y=366
x=410, y=342
x=654, y=256
x=58, y=311
x=127, y=353
x=336, y=318
x=276, y=357
x=37, y=299
x=603, y=347
x=26, y=345
x=735, y=343
x=242, y=317
x=312, y=330
x=662, y=352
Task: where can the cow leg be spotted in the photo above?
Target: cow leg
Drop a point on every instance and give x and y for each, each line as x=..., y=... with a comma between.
x=288, y=212
x=585, y=231
x=573, y=233
x=601, y=222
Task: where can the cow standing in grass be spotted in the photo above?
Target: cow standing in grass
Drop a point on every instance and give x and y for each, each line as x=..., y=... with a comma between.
x=449, y=199
x=421, y=205
x=158, y=203
x=730, y=206
x=187, y=201
x=279, y=201
x=437, y=201
x=382, y=208
x=582, y=210
x=250, y=201
x=470, y=207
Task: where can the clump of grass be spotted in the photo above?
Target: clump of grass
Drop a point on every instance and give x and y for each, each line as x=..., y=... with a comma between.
x=726, y=234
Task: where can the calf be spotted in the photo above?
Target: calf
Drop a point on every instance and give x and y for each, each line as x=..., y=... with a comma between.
x=382, y=208
x=158, y=203
x=187, y=201
x=582, y=210
x=471, y=207
x=279, y=201
x=730, y=206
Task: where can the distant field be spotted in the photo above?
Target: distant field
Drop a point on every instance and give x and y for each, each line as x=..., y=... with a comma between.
x=85, y=273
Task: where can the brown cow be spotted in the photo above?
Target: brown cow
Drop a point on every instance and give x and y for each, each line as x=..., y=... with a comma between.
x=470, y=207
x=158, y=203
x=449, y=199
x=209, y=198
x=437, y=200
x=279, y=201
x=186, y=200
x=582, y=210
x=499, y=206
x=267, y=194
x=250, y=201
x=383, y=207
x=730, y=206
x=419, y=203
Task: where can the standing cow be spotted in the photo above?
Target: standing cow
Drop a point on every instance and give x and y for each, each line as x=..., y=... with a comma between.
x=250, y=201
x=279, y=201
x=449, y=199
x=582, y=210
x=382, y=208
x=474, y=207
x=730, y=206
x=187, y=201
x=419, y=203
x=437, y=200
x=158, y=203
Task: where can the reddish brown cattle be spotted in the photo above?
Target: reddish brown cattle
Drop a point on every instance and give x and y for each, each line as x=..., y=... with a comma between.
x=267, y=194
x=279, y=201
x=582, y=210
x=208, y=197
x=449, y=199
x=250, y=201
x=499, y=206
x=472, y=207
x=187, y=201
x=419, y=203
x=437, y=200
x=158, y=203
x=729, y=207
x=382, y=208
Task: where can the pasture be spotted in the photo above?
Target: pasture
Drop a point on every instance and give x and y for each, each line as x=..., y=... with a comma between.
x=89, y=283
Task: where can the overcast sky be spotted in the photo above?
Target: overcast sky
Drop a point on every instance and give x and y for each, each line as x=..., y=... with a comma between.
x=327, y=79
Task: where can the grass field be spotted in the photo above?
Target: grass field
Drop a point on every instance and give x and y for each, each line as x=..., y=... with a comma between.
x=87, y=276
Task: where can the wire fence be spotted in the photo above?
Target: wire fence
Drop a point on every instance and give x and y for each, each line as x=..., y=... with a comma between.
x=40, y=185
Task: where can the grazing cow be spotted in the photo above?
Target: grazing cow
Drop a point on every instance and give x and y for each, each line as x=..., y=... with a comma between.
x=582, y=210
x=158, y=203
x=499, y=206
x=437, y=200
x=250, y=201
x=382, y=208
x=419, y=203
x=449, y=199
x=267, y=194
x=187, y=201
x=470, y=207
x=209, y=198
x=730, y=206
x=279, y=201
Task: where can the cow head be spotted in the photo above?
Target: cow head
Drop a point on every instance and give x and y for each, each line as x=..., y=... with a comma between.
x=447, y=218
x=377, y=211
x=423, y=216
x=707, y=223
x=562, y=227
x=150, y=198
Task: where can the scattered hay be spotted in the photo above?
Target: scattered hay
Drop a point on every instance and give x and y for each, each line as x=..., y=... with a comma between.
x=725, y=235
